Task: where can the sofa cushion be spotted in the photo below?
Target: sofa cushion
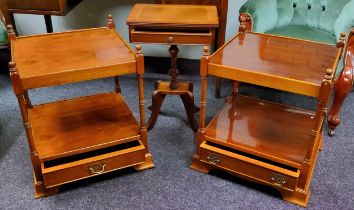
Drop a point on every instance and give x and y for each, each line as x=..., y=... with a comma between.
x=304, y=32
x=3, y=34
x=321, y=14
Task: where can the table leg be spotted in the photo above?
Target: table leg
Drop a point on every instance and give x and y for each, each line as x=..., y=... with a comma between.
x=157, y=99
x=183, y=89
x=188, y=101
x=13, y=23
x=48, y=23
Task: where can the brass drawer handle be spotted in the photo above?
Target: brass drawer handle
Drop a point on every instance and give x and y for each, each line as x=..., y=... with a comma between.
x=96, y=168
x=170, y=39
x=213, y=158
x=278, y=179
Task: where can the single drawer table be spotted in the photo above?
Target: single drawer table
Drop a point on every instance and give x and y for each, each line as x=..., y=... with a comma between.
x=263, y=141
x=173, y=25
x=82, y=137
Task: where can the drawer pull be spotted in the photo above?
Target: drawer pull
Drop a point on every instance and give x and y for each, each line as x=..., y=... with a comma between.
x=96, y=168
x=170, y=39
x=213, y=158
x=278, y=179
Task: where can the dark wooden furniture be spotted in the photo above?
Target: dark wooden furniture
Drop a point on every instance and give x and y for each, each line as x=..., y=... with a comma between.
x=343, y=85
x=83, y=137
x=169, y=24
x=262, y=141
x=40, y=7
x=222, y=6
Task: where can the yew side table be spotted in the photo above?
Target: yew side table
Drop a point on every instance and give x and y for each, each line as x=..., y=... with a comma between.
x=82, y=137
x=262, y=141
x=173, y=25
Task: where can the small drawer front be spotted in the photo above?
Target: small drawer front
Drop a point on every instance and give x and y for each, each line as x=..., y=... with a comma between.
x=171, y=38
x=48, y=5
x=249, y=167
x=68, y=172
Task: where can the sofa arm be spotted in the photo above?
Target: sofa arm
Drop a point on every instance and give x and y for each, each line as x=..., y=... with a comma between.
x=345, y=21
x=264, y=14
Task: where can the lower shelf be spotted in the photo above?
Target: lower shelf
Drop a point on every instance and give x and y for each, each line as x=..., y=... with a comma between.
x=269, y=130
x=70, y=127
x=65, y=170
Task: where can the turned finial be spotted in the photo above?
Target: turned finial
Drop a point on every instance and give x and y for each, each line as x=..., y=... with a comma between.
x=138, y=49
x=341, y=41
x=243, y=19
x=205, y=51
x=111, y=24
x=11, y=32
x=12, y=66
x=329, y=74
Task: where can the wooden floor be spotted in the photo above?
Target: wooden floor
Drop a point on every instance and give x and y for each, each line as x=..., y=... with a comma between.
x=69, y=127
x=269, y=130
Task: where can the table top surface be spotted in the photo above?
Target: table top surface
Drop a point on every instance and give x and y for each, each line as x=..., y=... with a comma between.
x=51, y=54
x=281, y=57
x=173, y=15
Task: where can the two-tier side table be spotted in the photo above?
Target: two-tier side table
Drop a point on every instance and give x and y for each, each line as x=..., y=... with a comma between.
x=82, y=137
x=173, y=25
x=263, y=141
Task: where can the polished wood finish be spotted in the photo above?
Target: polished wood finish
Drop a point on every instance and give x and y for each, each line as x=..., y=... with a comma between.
x=193, y=17
x=102, y=57
x=173, y=25
x=276, y=62
x=83, y=137
x=255, y=129
x=94, y=121
x=343, y=85
x=75, y=170
x=262, y=141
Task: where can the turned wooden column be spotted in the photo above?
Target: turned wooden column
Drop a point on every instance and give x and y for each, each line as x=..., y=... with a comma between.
x=173, y=72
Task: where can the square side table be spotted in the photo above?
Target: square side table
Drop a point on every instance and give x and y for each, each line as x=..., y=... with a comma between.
x=262, y=141
x=82, y=137
x=173, y=25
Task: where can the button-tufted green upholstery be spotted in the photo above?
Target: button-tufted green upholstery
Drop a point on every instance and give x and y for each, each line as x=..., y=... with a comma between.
x=3, y=34
x=317, y=20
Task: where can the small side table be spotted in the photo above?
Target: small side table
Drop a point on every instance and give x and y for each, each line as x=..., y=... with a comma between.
x=169, y=24
x=82, y=137
x=262, y=141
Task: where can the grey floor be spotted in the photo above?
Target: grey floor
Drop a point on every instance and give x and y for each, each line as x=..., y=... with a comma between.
x=171, y=184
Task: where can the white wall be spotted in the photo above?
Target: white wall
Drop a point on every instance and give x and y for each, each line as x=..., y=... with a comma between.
x=93, y=13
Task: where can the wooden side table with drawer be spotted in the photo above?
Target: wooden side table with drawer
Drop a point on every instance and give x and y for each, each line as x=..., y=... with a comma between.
x=263, y=141
x=173, y=25
x=82, y=137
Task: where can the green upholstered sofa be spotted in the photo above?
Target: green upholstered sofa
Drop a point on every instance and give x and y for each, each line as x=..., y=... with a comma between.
x=3, y=35
x=317, y=20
